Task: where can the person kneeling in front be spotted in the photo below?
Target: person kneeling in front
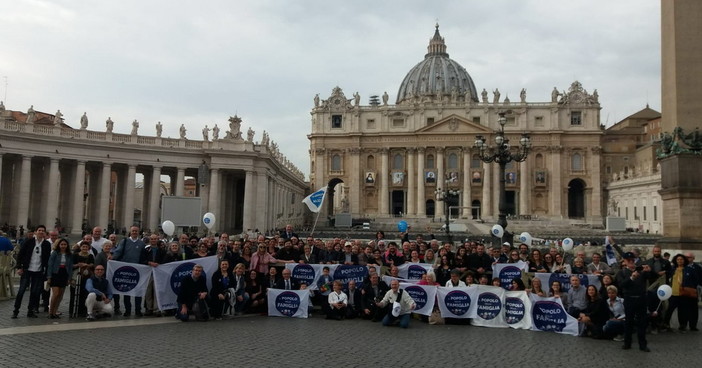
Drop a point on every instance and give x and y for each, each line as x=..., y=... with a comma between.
x=193, y=296
x=401, y=303
x=99, y=300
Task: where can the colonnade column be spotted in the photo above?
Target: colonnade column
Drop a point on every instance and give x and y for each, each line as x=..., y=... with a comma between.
x=556, y=190
x=354, y=195
x=440, y=180
x=104, y=206
x=23, y=198
x=486, y=205
x=524, y=192
x=52, y=199
x=154, y=198
x=421, y=201
x=411, y=177
x=496, y=190
x=180, y=182
x=261, y=200
x=214, y=198
x=78, y=192
x=128, y=211
x=249, y=194
x=467, y=200
x=384, y=205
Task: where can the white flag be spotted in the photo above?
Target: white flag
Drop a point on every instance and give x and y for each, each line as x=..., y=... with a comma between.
x=315, y=200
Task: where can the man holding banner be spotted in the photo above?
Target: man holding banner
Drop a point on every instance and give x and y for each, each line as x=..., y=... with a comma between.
x=131, y=250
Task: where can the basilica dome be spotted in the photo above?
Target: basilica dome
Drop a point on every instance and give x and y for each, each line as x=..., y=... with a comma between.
x=437, y=76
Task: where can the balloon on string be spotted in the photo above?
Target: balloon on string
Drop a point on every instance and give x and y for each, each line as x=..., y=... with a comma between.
x=209, y=220
x=168, y=227
x=497, y=230
x=525, y=238
x=402, y=226
x=664, y=292
x=567, y=244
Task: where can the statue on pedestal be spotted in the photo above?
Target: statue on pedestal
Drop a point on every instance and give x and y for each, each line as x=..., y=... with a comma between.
x=496, y=96
x=84, y=121
x=109, y=124
x=135, y=127
x=554, y=95
x=182, y=131
x=316, y=100
x=234, y=127
x=215, y=132
x=250, y=135
x=484, y=95
x=58, y=118
x=159, y=129
x=385, y=98
x=205, y=133
x=31, y=115
x=522, y=95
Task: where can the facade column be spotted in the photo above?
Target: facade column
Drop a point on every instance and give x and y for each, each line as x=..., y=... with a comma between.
x=384, y=205
x=128, y=212
x=421, y=201
x=440, y=181
x=104, y=206
x=556, y=190
x=356, y=185
x=496, y=189
x=214, y=198
x=52, y=197
x=524, y=188
x=596, y=207
x=467, y=195
x=24, y=182
x=261, y=201
x=486, y=205
x=411, y=178
x=180, y=182
x=249, y=200
x=78, y=193
x=154, y=198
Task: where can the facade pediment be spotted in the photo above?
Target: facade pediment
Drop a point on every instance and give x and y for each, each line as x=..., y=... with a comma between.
x=454, y=125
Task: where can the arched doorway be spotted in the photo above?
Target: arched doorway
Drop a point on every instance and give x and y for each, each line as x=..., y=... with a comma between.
x=475, y=209
x=576, y=199
x=331, y=191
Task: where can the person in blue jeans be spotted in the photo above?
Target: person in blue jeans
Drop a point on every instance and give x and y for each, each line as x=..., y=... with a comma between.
x=397, y=314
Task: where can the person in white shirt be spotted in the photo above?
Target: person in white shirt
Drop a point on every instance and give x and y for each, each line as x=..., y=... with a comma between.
x=407, y=305
x=338, y=302
x=455, y=280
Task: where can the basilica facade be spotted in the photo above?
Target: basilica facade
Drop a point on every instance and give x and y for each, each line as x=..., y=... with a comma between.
x=384, y=160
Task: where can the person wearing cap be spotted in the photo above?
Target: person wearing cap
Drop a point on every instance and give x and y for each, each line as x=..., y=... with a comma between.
x=632, y=281
x=348, y=257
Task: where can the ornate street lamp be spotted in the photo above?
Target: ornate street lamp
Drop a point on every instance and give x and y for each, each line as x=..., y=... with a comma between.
x=502, y=154
x=443, y=195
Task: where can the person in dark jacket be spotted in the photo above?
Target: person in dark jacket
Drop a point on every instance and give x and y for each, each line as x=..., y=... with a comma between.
x=632, y=281
x=192, y=297
x=32, y=262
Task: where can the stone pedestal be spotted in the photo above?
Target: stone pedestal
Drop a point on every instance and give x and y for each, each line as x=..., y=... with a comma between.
x=681, y=194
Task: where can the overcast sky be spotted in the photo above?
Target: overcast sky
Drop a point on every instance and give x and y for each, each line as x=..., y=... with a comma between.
x=199, y=62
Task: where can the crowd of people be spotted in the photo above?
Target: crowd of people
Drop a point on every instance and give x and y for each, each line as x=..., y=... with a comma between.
x=249, y=266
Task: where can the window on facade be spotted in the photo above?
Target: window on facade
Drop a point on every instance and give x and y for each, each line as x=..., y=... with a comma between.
x=453, y=161
x=655, y=213
x=430, y=121
x=608, y=169
x=576, y=162
x=370, y=123
x=430, y=161
x=336, y=121
x=576, y=118
x=644, y=213
x=475, y=162
x=398, y=123
x=539, y=121
x=636, y=213
x=336, y=163
x=370, y=162
x=476, y=119
x=511, y=121
x=626, y=213
x=397, y=162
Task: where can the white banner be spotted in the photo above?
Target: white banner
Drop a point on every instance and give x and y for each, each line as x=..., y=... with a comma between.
x=424, y=297
x=489, y=306
x=457, y=302
x=508, y=272
x=549, y=314
x=548, y=278
x=413, y=271
x=517, y=309
x=167, y=279
x=310, y=273
x=288, y=303
x=128, y=278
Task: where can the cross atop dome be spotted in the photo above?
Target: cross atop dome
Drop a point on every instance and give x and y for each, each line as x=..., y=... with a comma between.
x=437, y=46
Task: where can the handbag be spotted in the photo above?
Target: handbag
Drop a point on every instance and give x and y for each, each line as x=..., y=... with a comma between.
x=688, y=292
x=435, y=318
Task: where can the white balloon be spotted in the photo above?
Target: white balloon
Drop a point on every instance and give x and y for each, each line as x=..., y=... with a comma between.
x=525, y=238
x=664, y=292
x=209, y=220
x=567, y=244
x=497, y=231
x=168, y=227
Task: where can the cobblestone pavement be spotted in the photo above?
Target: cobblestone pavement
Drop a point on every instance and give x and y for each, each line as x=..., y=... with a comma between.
x=257, y=341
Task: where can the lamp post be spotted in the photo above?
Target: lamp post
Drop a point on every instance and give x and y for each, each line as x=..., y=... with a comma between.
x=442, y=195
x=502, y=154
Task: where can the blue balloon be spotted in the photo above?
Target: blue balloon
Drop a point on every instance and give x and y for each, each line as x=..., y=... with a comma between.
x=5, y=244
x=402, y=226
